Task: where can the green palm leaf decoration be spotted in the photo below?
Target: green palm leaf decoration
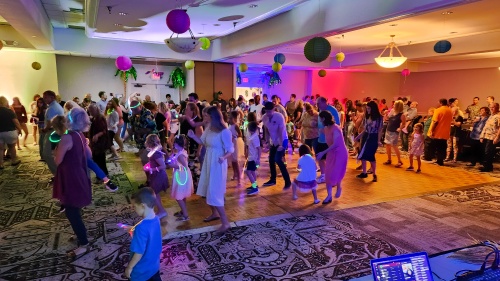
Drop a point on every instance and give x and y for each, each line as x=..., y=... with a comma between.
x=124, y=75
x=177, y=77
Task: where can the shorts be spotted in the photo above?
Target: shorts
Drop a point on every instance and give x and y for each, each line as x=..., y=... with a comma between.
x=391, y=138
x=251, y=166
x=9, y=137
x=111, y=136
x=321, y=147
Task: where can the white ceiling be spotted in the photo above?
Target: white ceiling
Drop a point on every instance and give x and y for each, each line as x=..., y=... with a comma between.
x=144, y=20
x=466, y=20
x=60, y=14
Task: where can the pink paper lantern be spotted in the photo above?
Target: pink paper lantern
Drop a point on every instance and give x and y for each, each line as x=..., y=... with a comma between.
x=178, y=21
x=123, y=63
x=405, y=72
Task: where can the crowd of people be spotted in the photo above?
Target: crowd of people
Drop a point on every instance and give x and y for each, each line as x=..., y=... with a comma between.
x=200, y=139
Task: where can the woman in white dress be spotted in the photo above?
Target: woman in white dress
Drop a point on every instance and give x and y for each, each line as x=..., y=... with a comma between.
x=219, y=147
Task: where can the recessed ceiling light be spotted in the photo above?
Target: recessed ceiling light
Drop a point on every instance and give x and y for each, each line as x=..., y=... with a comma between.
x=447, y=13
x=453, y=32
x=216, y=24
x=252, y=6
x=118, y=24
x=34, y=36
x=394, y=24
x=122, y=14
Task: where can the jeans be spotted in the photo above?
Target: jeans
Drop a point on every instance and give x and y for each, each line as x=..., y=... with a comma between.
x=312, y=143
x=489, y=154
x=276, y=157
x=429, y=151
x=348, y=136
x=100, y=160
x=440, y=149
x=74, y=216
x=477, y=151
x=41, y=137
x=99, y=173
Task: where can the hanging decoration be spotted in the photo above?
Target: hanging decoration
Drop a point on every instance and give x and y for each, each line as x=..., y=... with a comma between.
x=243, y=67
x=182, y=45
x=177, y=78
x=178, y=21
x=442, y=46
x=390, y=61
x=270, y=78
x=277, y=67
x=322, y=73
x=205, y=43
x=36, y=65
x=238, y=76
x=280, y=58
x=317, y=49
x=124, y=75
x=340, y=57
x=189, y=64
x=155, y=75
x=406, y=72
x=123, y=63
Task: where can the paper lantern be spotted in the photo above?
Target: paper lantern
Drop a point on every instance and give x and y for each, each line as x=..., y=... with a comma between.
x=189, y=64
x=280, y=58
x=442, y=46
x=123, y=63
x=178, y=21
x=36, y=65
x=243, y=67
x=317, y=49
x=340, y=57
x=182, y=45
x=406, y=72
x=277, y=67
x=205, y=43
x=322, y=73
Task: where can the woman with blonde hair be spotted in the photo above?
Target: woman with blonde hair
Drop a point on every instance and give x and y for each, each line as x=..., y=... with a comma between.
x=395, y=123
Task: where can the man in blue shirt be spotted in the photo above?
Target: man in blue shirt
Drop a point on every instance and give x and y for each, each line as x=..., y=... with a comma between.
x=323, y=105
x=54, y=109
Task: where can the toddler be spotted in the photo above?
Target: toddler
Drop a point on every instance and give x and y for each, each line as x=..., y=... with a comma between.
x=306, y=180
x=146, y=242
x=155, y=170
x=182, y=185
x=253, y=156
x=417, y=146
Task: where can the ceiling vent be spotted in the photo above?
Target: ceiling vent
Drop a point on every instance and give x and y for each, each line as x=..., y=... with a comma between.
x=10, y=43
x=75, y=11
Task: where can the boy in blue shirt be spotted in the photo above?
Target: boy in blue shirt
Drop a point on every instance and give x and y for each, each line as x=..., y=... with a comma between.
x=146, y=243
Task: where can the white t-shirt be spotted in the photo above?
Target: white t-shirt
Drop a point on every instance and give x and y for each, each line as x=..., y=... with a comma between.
x=307, y=165
x=257, y=108
x=253, y=142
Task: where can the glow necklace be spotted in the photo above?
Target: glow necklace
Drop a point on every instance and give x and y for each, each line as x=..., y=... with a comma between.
x=152, y=151
x=110, y=111
x=135, y=106
x=177, y=175
x=53, y=140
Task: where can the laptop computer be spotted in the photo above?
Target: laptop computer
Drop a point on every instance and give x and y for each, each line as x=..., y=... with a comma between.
x=408, y=267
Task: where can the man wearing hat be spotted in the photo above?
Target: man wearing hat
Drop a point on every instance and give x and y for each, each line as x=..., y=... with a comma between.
x=277, y=137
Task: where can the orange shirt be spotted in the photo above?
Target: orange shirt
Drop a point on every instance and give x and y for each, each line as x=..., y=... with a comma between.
x=441, y=123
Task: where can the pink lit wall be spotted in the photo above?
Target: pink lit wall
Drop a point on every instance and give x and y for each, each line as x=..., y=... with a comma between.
x=355, y=85
x=428, y=87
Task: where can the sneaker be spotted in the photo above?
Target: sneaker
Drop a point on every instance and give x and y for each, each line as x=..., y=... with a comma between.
x=410, y=169
x=418, y=171
x=362, y=176
x=269, y=183
x=62, y=209
x=320, y=179
x=254, y=191
x=111, y=186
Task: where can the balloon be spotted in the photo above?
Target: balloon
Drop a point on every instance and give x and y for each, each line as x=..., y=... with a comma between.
x=340, y=57
x=205, y=43
x=36, y=65
x=243, y=67
x=178, y=21
x=123, y=63
x=322, y=73
x=277, y=66
x=406, y=72
x=189, y=64
x=280, y=58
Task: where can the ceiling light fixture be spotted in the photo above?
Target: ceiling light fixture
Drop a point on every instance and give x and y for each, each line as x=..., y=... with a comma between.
x=122, y=14
x=390, y=61
x=252, y=6
x=118, y=24
x=447, y=13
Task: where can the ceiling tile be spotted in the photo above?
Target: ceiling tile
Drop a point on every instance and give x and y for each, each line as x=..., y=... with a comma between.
x=56, y=2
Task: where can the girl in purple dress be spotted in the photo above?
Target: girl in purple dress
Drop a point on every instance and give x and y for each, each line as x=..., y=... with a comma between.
x=156, y=170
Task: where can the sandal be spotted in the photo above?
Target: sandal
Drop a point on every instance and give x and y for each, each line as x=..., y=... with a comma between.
x=388, y=162
x=399, y=164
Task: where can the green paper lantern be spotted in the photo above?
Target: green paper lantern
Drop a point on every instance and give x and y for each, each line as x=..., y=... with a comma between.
x=340, y=57
x=243, y=67
x=36, y=65
x=322, y=73
x=189, y=64
x=317, y=49
x=277, y=67
x=442, y=46
x=205, y=43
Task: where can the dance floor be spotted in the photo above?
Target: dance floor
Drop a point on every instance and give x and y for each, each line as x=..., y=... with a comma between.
x=273, y=237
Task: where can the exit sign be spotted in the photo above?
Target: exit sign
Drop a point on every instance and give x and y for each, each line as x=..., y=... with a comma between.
x=244, y=80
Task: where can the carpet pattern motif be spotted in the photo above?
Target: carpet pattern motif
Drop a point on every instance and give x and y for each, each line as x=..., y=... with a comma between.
x=338, y=245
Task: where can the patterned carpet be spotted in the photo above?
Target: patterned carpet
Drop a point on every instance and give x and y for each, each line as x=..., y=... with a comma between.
x=338, y=245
